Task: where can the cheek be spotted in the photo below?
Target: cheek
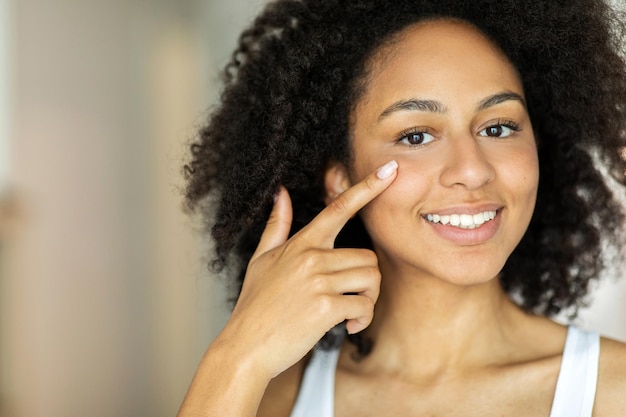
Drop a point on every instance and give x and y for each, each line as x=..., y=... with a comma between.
x=515, y=162
x=405, y=195
x=523, y=174
x=520, y=177
x=364, y=162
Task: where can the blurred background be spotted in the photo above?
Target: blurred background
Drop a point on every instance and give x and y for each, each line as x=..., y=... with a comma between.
x=106, y=304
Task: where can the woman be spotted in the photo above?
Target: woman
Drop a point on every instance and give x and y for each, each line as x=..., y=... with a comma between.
x=420, y=175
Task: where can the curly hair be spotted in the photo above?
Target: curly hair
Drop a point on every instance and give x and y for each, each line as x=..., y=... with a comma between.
x=299, y=69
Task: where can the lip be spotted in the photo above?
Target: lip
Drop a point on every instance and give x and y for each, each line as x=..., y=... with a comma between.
x=467, y=237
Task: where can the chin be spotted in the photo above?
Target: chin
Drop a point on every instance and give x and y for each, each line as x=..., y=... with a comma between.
x=471, y=278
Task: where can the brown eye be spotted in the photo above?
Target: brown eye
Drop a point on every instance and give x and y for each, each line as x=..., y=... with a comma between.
x=416, y=138
x=494, y=131
x=500, y=130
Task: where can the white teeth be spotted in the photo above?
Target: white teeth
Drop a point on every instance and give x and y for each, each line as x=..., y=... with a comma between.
x=464, y=221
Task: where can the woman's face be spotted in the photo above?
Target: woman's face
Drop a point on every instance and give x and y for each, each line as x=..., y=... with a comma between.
x=448, y=106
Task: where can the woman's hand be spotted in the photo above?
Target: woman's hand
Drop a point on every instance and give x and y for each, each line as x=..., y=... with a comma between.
x=295, y=290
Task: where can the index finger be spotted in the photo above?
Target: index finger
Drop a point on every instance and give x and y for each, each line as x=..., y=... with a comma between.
x=331, y=220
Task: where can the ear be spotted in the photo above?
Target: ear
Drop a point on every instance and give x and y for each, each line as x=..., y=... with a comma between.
x=336, y=180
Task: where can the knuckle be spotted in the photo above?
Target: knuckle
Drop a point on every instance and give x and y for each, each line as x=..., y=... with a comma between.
x=316, y=256
x=371, y=183
x=374, y=275
x=312, y=258
x=319, y=284
x=370, y=257
x=324, y=305
x=368, y=305
x=339, y=204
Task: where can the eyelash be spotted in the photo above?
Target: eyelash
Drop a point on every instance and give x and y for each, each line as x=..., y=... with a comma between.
x=510, y=124
x=411, y=132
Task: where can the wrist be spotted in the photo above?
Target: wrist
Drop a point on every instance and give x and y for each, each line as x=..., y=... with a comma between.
x=228, y=381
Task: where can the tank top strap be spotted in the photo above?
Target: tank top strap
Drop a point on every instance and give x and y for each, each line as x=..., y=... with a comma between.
x=317, y=389
x=574, y=395
x=576, y=385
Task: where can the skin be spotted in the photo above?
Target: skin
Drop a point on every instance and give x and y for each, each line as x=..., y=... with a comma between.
x=428, y=295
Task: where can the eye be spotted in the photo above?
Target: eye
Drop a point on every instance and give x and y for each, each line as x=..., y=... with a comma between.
x=501, y=129
x=416, y=138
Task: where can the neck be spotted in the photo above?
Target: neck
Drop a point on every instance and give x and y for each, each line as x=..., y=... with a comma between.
x=436, y=326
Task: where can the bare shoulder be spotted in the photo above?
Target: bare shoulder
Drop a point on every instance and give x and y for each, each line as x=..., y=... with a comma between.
x=611, y=391
x=280, y=395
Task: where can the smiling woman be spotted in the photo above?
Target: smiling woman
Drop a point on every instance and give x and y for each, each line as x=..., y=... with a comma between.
x=460, y=168
x=407, y=200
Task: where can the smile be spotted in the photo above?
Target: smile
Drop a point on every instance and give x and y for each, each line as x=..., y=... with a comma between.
x=462, y=221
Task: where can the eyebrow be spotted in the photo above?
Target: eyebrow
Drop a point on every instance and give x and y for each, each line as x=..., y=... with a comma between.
x=414, y=104
x=501, y=98
x=433, y=106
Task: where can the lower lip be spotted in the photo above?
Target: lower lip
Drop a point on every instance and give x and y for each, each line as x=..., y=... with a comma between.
x=468, y=237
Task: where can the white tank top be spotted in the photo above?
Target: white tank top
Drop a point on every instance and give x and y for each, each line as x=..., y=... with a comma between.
x=574, y=396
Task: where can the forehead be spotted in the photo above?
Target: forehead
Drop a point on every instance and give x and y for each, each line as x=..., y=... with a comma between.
x=444, y=59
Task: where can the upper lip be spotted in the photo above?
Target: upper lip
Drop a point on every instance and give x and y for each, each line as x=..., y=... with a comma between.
x=465, y=209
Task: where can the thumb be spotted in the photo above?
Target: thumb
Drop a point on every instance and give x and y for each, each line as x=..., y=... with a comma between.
x=278, y=225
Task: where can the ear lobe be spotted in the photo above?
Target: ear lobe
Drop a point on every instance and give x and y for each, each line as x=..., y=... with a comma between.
x=336, y=180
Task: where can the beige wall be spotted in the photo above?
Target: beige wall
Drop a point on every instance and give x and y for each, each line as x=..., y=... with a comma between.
x=105, y=302
x=105, y=305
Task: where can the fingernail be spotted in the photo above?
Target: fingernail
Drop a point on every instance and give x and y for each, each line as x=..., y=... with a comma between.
x=386, y=170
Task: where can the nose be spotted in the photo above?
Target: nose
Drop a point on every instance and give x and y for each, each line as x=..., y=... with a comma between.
x=467, y=164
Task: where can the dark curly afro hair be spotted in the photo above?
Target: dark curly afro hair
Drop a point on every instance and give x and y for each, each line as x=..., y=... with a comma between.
x=301, y=67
